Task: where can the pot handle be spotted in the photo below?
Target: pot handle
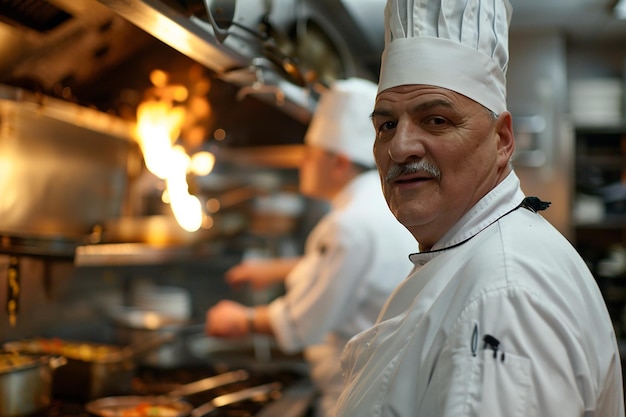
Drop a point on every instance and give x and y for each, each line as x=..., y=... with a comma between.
x=233, y=397
x=211, y=382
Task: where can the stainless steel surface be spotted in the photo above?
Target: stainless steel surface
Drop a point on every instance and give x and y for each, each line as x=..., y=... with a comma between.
x=84, y=380
x=139, y=254
x=188, y=34
x=196, y=38
x=41, y=51
x=27, y=389
x=64, y=168
x=274, y=50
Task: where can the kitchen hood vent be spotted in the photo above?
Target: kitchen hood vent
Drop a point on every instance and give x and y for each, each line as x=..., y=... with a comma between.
x=280, y=51
x=232, y=48
x=38, y=15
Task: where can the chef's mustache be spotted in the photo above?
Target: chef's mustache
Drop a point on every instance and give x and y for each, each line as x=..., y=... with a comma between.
x=399, y=170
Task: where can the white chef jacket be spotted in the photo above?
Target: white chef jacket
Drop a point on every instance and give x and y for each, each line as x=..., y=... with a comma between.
x=353, y=259
x=518, y=284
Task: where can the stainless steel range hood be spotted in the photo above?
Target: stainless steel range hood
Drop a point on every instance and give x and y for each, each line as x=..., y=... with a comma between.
x=266, y=47
x=235, y=55
x=279, y=51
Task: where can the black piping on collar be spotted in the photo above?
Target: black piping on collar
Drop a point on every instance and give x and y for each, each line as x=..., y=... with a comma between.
x=533, y=204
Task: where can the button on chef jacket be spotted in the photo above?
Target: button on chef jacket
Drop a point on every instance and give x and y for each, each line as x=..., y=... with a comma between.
x=510, y=323
x=353, y=259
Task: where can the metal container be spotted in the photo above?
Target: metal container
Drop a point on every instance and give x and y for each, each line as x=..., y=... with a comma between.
x=27, y=388
x=93, y=370
x=83, y=380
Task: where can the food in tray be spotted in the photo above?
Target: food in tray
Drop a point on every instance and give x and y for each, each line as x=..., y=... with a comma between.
x=144, y=409
x=11, y=360
x=70, y=349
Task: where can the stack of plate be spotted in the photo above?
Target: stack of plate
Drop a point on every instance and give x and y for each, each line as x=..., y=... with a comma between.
x=168, y=301
x=596, y=101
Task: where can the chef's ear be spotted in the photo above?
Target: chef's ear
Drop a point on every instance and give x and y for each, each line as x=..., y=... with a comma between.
x=505, y=137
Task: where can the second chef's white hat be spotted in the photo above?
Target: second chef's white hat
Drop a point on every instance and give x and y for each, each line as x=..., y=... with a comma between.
x=341, y=122
x=461, y=45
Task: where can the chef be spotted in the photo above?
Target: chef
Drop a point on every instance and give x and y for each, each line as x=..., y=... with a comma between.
x=354, y=257
x=500, y=317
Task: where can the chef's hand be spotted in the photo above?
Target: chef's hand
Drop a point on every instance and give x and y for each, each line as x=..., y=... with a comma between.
x=260, y=273
x=227, y=319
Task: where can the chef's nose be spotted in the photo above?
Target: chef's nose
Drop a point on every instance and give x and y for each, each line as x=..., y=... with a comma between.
x=407, y=143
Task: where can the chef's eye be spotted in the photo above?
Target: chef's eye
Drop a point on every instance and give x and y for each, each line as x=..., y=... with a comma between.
x=386, y=126
x=436, y=120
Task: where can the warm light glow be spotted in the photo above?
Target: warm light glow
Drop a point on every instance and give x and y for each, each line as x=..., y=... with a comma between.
x=213, y=205
x=219, y=134
x=171, y=31
x=180, y=93
x=10, y=192
x=208, y=222
x=165, y=197
x=155, y=149
x=187, y=210
x=202, y=163
x=152, y=320
x=159, y=78
x=158, y=126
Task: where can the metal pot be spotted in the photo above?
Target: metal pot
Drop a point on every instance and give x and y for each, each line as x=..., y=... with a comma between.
x=26, y=387
x=93, y=370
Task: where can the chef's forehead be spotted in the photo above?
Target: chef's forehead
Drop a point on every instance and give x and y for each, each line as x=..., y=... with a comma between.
x=433, y=98
x=461, y=46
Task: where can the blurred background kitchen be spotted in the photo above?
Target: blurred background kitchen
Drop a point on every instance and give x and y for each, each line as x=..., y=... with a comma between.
x=148, y=145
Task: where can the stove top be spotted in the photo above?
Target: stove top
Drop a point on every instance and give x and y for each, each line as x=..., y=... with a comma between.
x=153, y=381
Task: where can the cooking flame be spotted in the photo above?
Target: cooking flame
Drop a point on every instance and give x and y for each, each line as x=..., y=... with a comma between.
x=159, y=123
x=158, y=126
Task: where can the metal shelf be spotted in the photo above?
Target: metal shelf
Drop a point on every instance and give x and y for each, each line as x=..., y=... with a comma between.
x=123, y=254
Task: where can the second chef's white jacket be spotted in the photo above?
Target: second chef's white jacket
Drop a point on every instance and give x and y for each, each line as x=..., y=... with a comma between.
x=354, y=257
x=509, y=323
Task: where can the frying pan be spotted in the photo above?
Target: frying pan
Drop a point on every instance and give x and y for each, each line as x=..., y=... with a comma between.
x=117, y=406
x=204, y=384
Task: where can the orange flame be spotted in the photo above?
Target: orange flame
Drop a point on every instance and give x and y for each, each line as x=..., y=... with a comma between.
x=159, y=124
